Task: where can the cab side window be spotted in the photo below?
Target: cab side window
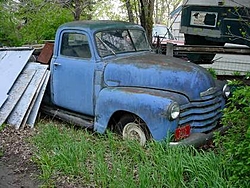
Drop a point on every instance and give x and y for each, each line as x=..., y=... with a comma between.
x=75, y=45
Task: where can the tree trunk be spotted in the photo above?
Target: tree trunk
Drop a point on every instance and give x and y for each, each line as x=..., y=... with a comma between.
x=146, y=16
x=130, y=12
x=78, y=11
x=156, y=11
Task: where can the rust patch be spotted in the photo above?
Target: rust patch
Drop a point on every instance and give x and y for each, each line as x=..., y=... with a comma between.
x=148, y=59
x=46, y=53
x=144, y=91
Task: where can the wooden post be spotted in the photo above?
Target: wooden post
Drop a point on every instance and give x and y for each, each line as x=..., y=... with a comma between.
x=170, y=49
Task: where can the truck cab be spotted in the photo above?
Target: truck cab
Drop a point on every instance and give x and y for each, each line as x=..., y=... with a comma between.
x=104, y=75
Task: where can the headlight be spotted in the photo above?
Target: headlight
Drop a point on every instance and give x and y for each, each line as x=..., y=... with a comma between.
x=226, y=91
x=173, y=111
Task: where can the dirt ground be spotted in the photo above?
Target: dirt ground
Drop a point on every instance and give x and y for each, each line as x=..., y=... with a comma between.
x=16, y=168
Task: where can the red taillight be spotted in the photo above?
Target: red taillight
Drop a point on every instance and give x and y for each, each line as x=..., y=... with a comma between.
x=182, y=132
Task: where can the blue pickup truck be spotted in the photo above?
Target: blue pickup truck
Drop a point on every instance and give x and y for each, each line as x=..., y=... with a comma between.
x=104, y=75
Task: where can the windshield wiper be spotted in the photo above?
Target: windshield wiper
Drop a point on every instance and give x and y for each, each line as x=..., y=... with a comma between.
x=106, y=46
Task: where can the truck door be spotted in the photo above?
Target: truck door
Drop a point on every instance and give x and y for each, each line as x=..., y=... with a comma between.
x=73, y=73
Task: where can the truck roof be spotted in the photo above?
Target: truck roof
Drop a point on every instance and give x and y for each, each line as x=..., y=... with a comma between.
x=96, y=25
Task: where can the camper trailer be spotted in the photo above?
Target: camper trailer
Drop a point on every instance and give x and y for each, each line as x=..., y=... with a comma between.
x=215, y=22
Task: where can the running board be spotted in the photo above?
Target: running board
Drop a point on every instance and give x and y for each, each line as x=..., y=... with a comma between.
x=68, y=116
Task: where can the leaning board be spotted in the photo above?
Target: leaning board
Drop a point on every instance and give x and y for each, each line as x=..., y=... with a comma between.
x=37, y=102
x=12, y=62
x=17, y=115
x=16, y=92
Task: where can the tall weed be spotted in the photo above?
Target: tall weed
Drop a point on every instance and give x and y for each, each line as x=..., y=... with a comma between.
x=235, y=144
x=94, y=160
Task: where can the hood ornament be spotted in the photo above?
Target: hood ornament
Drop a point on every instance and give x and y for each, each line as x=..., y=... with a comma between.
x=209, y=91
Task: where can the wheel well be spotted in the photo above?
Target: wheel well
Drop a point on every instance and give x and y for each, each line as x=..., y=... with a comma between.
x=117, y=116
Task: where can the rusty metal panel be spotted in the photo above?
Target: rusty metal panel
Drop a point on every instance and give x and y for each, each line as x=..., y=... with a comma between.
x=34, y=111
x=46, y=53
x=22, y=107
x=228, y=49
x=12, y=62
x=16, y=92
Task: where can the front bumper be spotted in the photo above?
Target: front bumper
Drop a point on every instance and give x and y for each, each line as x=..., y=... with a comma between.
x=199, y=139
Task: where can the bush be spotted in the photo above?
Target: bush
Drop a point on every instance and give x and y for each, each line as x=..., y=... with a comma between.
x=235, y=144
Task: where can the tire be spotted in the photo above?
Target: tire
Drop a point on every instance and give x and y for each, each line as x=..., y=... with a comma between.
x=132, y=128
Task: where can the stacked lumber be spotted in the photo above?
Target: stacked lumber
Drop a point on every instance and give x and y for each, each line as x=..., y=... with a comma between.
x=22, y=86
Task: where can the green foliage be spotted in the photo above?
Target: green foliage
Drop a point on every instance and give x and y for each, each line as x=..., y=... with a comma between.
x=235, y=144
x=247, y=76
x=80, y=9
x=92, y=160
x=236, y=73
x=8, y=25
x=30, y=21
x=104, y=10
x=42, y=20
x=212, y=72
x=2, y=127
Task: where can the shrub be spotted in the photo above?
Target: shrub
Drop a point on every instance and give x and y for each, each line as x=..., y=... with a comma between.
x=235, y=144
x=212, y=72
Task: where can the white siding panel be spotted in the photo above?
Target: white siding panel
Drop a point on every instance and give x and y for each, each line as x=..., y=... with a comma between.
x=227, y=64
x=12, y=62
x=16, y=92
x=34, y=111
x=22, y=108
x=3, y=97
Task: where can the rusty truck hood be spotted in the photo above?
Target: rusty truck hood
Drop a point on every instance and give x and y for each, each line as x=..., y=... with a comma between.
x=149, y=70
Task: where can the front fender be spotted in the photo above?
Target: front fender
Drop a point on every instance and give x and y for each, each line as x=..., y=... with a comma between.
x=150, y=105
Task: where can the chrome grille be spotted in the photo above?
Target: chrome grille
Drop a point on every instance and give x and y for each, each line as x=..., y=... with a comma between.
x=202, y=115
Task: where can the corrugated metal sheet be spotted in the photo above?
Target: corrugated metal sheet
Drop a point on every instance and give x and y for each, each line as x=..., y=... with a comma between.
x=23, y=107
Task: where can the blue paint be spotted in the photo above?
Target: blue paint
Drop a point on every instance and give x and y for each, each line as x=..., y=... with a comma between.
x=142, y=83
x=156, y=71
x=151, y=106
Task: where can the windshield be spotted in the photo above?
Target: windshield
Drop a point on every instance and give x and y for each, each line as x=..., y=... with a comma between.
x=120, y=41
x=162, y=31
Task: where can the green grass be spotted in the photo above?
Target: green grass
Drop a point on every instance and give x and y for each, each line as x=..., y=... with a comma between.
x=2, y=127
x=90, y=159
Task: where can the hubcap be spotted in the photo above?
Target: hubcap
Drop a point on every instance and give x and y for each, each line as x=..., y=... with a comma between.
x=133, y=131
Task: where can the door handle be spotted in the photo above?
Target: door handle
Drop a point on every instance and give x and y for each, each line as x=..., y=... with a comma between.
x=57, y=64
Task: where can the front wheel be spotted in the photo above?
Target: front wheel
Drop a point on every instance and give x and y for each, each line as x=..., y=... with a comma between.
x=133, y=128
